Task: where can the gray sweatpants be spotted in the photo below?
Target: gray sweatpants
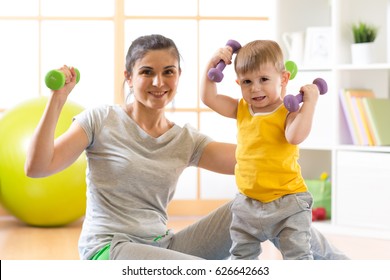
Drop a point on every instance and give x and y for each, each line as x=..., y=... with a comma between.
x=286, y=219
x=208, y=238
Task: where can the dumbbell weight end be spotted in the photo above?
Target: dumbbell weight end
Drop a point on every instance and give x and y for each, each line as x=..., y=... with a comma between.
x=55, y=79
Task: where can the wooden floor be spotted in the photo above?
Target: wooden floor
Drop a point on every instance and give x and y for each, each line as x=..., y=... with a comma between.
x=21, y=242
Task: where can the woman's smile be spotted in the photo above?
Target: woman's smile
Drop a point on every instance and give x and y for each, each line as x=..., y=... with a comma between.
x=158, y=94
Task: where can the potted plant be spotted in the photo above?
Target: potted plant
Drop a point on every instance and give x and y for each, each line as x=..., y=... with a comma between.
x=364, y=36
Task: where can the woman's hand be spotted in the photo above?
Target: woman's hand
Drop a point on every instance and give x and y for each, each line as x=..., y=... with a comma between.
x=70, y=81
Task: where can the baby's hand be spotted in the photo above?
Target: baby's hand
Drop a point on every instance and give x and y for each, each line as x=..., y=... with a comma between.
x=225, y=54
x=310, y=93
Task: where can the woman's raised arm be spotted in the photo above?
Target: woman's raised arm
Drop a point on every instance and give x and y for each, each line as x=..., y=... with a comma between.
x=46, y=155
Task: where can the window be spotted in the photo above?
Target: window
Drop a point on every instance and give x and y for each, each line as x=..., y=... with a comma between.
x=39, y=35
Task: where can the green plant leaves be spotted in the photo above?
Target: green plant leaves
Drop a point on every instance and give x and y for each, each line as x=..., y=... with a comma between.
x=364, y=33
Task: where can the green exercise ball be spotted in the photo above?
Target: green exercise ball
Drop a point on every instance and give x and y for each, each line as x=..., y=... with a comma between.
x=55, y=200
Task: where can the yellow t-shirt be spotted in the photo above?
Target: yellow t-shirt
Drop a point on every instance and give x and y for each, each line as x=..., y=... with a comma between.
x=267, y=165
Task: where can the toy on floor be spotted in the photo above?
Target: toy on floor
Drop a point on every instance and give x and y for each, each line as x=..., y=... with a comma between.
x=321, y=191
x=52, y=201
x=318, y=214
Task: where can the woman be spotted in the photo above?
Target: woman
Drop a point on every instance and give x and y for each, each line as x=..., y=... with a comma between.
x=135, y=156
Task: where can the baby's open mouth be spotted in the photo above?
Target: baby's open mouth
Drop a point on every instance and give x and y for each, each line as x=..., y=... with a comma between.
x=259, y=98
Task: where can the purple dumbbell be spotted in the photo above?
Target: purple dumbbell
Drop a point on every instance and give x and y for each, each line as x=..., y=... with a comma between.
x=215, y=74
x=292, y=102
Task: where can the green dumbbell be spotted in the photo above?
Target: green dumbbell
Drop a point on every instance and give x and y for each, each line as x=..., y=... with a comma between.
x=292, y=68
x=55, y=79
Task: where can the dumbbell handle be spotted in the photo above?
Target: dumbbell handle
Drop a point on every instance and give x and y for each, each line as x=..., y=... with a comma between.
x=292, y=102
x=215, y=74
x=55, y=79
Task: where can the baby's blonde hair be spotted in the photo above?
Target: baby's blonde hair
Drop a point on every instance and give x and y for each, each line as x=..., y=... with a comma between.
x=256, y=53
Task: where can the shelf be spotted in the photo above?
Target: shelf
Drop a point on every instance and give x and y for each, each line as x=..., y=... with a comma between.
x=355, y=170
x=374, y=66
x=311, y=69
x=315, y=148
x=328, y=227
x=356, y=148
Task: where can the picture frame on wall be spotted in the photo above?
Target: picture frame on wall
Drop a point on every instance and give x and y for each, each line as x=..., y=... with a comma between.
x=318, y=47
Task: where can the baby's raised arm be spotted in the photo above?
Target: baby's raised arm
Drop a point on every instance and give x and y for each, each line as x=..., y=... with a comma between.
x=222, y=104
x=299, y=123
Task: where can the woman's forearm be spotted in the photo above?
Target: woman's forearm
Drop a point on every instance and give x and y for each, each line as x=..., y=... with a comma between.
x=41, y=147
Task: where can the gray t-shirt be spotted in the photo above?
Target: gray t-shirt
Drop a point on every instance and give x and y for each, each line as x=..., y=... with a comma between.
x=131, y=176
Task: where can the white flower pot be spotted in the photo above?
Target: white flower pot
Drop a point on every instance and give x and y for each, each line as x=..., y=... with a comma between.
x=363, y=53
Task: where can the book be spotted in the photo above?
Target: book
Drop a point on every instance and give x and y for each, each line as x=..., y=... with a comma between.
x=364, y=120
x=378, y=113
x=358, y=119
x=354, y=117
x=348, y=117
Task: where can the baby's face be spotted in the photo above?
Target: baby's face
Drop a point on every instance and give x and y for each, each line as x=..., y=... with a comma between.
x=263, y=88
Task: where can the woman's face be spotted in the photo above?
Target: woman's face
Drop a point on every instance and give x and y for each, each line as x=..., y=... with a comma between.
x=155, y=79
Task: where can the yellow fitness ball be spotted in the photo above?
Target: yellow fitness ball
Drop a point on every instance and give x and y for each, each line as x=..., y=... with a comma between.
x=51, y=201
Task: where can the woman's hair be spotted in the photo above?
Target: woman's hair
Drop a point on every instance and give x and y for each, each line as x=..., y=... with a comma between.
x=256, y=53
x=142, y=45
